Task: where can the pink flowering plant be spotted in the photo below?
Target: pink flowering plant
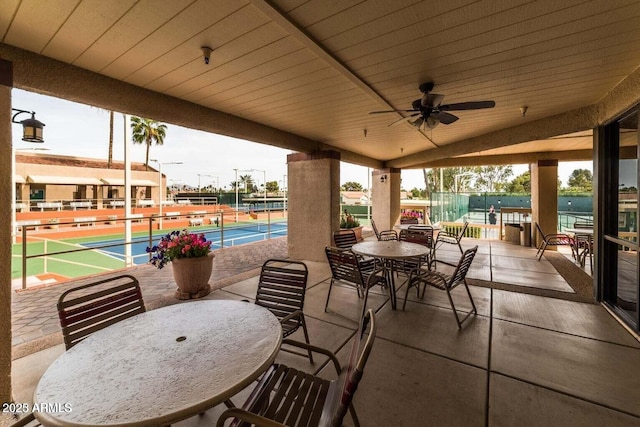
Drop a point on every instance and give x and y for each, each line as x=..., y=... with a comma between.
x=406, y=214
x=178, y=244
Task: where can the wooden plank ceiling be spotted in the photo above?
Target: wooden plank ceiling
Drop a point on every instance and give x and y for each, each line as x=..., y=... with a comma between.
x=317, y=68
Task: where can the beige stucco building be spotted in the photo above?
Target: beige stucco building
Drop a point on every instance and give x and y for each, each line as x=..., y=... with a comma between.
x=67, y=181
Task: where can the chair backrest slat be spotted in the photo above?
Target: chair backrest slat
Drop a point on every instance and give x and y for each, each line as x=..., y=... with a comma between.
x=375, y=229
x=282, y=286
x=344, y=239
x=463, y=266
x=344, y=265
x=388, y=235
x=94, y=310
x=420, y=236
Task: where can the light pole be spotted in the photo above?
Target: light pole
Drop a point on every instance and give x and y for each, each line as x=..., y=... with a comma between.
x=264, y=174
x=160, y=187
x=199, y=176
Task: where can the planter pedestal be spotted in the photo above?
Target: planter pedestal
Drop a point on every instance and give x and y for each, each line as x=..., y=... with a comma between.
x=192, y=276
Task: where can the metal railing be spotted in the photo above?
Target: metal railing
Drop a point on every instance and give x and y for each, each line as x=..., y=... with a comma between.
x=220, y=225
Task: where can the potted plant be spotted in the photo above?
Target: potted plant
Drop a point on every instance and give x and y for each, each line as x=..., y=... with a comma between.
x=191, y=259
x=409, y=217
x=348, y=221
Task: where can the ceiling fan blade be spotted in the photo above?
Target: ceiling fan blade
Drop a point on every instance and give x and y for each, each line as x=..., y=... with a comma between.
x=392, y=111
x=472, y=105
x=446, y=118
x=404, y=119
x=431, y=99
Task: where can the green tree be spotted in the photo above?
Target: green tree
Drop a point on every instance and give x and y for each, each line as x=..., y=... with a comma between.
x=452, y=179
x=520, y=184
x=351, y=186
x=492, y=178
x=272, y=186
x=147, y=131
x=580, y=180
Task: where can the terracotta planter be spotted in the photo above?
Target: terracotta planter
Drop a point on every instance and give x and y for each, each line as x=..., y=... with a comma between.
x=192, y=276
x=357, y=231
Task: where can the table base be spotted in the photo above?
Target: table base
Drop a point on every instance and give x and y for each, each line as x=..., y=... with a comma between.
x=186, y=295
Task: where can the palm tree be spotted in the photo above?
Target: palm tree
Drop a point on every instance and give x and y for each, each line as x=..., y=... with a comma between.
x=110, y=158
x=247, y=180
x=146, y=131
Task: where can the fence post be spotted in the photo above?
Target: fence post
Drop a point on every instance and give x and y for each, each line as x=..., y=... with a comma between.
x=24, y=257
x=221, y=213
x=268, y=223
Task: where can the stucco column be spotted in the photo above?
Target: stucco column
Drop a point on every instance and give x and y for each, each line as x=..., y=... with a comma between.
x=98, y=196
x=385, y=192
x=6, y=82
x=314, y=203
x=544, y=198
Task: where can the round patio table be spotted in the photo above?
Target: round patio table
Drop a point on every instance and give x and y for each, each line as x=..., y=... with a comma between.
x=390, y=250
x=161, y=366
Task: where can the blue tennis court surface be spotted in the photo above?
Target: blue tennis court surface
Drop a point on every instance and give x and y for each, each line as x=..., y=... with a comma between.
x=233, y=236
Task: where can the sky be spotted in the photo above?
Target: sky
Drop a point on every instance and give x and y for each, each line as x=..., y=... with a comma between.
x=80, y=130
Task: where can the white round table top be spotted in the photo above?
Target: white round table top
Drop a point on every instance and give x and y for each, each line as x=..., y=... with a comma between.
x=585, y=231
x=391, y=249
x=160, y=366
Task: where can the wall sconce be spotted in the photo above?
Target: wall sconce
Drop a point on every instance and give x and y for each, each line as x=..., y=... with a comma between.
x=31, y=128
x=383, y=178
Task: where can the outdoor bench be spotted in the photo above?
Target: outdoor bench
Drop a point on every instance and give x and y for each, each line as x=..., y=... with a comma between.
x=84, y=220
x=196, y=221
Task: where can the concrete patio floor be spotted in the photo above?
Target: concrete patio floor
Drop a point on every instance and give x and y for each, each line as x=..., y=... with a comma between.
x=524, y=360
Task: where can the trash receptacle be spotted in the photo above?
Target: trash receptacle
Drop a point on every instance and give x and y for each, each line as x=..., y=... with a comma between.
x=512, y=233
x=525, y=234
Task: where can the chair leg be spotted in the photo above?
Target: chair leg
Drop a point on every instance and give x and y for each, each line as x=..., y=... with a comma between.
x=453, y=307
x=328, y=295
x=409, y=285
x=544, y=246
x=475, y=310
x=306, y=336
x=460, y=247
x=354, y=416
x=364, y=304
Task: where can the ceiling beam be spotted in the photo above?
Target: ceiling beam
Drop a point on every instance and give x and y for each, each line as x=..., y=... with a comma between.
x=580, y=119
x=40, y=74
x=304, y=38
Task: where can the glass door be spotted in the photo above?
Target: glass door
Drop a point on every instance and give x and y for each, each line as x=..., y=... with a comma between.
x=620, y=272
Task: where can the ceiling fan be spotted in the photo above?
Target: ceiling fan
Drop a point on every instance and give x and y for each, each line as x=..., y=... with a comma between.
x=430, y=110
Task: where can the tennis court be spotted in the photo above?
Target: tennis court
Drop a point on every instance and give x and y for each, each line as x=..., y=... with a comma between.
x=95, y=254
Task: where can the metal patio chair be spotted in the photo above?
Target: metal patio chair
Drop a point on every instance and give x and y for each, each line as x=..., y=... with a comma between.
x=288, y=397
x=86, y=309
x=445, y=282
x=446, y=237
x=421, y=236
x=555, y=239
x=281, y=290
x=347, y=267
